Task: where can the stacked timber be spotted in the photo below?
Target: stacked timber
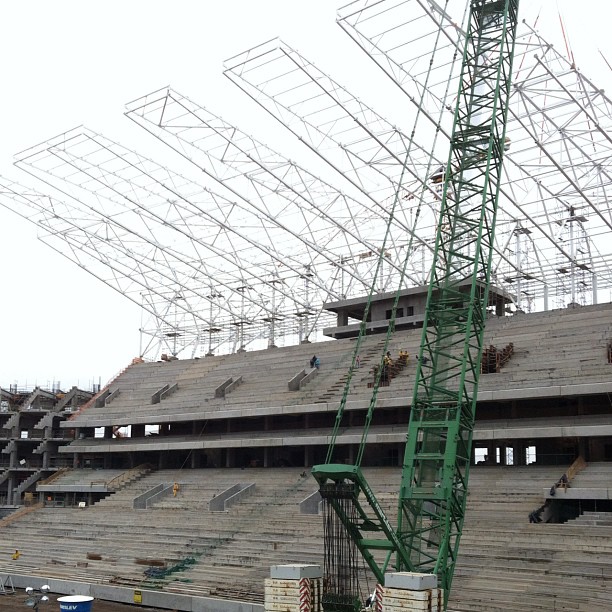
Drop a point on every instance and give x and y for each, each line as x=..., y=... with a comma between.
x=293, y=588
x=408, y=592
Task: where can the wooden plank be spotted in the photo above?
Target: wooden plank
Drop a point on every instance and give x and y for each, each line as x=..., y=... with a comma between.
x=402, y=600
x=403, y=595
x=280, y=589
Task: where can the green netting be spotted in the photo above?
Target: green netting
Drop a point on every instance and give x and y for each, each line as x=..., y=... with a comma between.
x=159, y=574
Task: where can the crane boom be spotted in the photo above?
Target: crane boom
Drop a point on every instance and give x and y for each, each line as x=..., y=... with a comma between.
x=438, y=449
x=433, y=490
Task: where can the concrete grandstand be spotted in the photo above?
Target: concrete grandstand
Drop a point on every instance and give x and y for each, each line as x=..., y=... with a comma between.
x=87, y=483
x=187, y=476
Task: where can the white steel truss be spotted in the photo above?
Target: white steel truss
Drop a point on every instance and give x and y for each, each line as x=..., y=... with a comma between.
x=252, y=262
x=106, y=250
x=555, y=112
x=559, y=131
x=212, y=245
x=268, y=181
x=246, y=255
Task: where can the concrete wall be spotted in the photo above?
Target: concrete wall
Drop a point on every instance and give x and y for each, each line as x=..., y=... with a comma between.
x=157, y=599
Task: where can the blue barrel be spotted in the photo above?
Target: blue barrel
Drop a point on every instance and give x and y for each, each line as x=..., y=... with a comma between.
x=75, y=603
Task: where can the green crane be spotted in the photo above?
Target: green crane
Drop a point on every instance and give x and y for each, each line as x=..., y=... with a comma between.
x=434, y=484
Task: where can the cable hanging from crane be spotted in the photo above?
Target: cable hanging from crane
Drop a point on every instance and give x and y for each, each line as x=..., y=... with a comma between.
x=340, y=562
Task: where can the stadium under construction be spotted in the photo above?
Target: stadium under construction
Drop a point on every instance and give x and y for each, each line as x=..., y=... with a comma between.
x=347, y=324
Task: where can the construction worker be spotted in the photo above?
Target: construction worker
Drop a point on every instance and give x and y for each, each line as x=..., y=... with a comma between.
x=175, y=489
x=15, y=555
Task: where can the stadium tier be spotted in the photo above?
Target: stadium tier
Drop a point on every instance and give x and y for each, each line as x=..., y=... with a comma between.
x=191, y=477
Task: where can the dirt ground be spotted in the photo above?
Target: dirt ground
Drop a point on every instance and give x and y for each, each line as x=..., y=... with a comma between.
x=16, y=602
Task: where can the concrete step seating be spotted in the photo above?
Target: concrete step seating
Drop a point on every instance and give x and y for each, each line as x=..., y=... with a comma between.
x=541, y=359
x=85, y=476
x=594, y=519
x=564, y=338
x=505, y=563
x=245, y=542
x=596, y=475
x=198, y=382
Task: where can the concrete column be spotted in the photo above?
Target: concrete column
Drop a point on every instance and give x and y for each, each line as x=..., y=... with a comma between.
x=293, y=588
x=492, y=454
x=351, y=454
x=307, y=456
x=9, y=490
x=582, y=447
x=519, y=453
x=265, y=457
x=596, y=450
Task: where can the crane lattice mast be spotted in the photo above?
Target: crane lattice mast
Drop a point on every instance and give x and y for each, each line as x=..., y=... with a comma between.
x=433, y=491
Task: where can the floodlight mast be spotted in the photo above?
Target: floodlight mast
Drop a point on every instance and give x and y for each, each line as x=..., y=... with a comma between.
x=433, y=491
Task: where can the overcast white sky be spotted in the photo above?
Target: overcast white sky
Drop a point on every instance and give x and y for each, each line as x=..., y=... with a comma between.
x=66, y=63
